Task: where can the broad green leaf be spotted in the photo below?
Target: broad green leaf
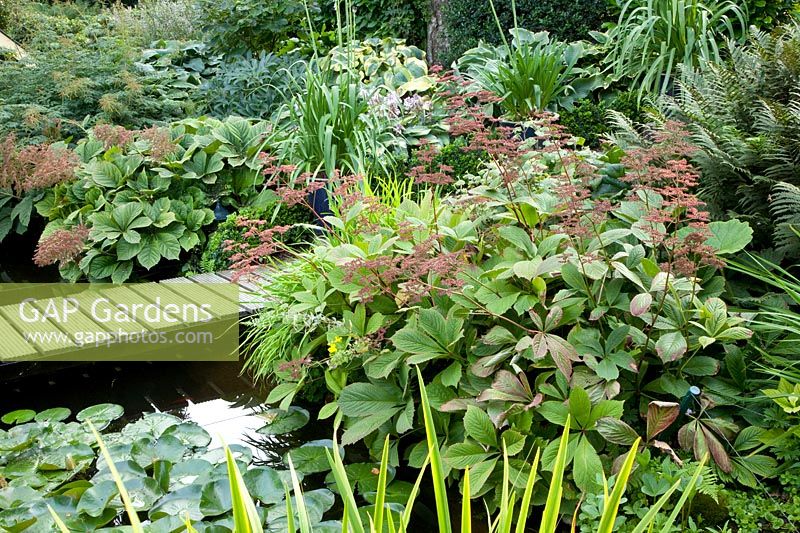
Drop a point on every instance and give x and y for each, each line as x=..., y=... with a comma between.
x=478, y=425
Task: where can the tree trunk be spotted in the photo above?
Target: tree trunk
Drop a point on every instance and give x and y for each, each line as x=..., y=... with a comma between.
x=437, y=36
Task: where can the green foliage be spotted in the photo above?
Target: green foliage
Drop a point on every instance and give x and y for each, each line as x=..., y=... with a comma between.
x=404, y=19
x=158, y=469
x=388, y=62
x=589, y=119
x=216, y=258
x=533, y=73
x=756, y=513
x=252, y=85
x=147, y=198
x=238, y=26
x=766, y=15
x=652, y=38
x=157, y=20
x=745, y=116
x=78, y=74
x=467, y=23
x=532, y=334
x=326, y=127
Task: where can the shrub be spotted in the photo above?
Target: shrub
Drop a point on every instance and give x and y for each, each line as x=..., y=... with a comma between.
x=767, y=14
x=467, y=22
x=404, y=19
x=589, y=119
x=238, y=26
x=744, y=116
x=216, y=257
x=524, y=303
x=72, y=81
x=155, y=20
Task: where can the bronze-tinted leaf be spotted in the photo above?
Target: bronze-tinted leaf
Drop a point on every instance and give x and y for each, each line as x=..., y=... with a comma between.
x=660, y=415
x=717, y=450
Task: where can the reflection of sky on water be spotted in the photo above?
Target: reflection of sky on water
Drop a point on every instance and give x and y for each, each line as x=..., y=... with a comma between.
x=213, y=394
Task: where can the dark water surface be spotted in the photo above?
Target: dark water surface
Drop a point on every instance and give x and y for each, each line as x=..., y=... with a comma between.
x=213, y=394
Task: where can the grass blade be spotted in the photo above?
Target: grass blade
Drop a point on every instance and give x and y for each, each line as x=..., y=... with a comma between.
x=245, y=517
x=133, y=518
x=437, y=467
x=466, y=509
x=345, y=490
x=522, y=519
x=611, y=503
x=380, y=497
x=299, y=500
x=62, y=527
x=685, y=496
x=553, y=505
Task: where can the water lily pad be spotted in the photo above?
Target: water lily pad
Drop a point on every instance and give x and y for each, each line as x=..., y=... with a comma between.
x=95, y=500
x=280, y=422
x=151, y=424
x=190, y=434
x=187, y=472
x=216, y=498
x=71, y=457
x=182, y=502
x=56, y=414
x=20, y=416
x=147, y=451
x=317, y=503
x=15, y=496
x=144, y=492
x=100, y=415
x=264, y=484
x=311, y=458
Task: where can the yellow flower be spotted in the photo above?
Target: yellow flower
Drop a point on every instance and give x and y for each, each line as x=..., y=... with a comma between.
x=333, y=347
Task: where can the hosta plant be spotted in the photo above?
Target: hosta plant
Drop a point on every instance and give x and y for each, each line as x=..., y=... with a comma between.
x=530, y=74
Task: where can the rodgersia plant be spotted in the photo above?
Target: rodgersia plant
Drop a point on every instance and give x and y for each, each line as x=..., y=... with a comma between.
x=530, y=299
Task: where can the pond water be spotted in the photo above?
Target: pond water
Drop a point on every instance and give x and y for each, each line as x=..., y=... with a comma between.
x=215, y=395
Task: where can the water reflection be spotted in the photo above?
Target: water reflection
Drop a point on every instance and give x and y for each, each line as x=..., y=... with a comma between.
x=215, y=395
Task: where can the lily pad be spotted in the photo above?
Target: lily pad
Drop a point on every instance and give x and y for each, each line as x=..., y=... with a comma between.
x=20, y=416
x=281, y=421
x=56, y=414
x=311, y=458
x=101, y=415
x=190, y=434
x=264, y=484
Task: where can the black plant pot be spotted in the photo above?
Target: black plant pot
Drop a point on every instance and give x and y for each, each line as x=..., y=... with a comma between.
x=522, y=133
x=319, y=200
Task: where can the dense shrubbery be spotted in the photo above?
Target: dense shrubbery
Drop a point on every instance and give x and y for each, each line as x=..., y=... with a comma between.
x=467, y=23
x=589, y=119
